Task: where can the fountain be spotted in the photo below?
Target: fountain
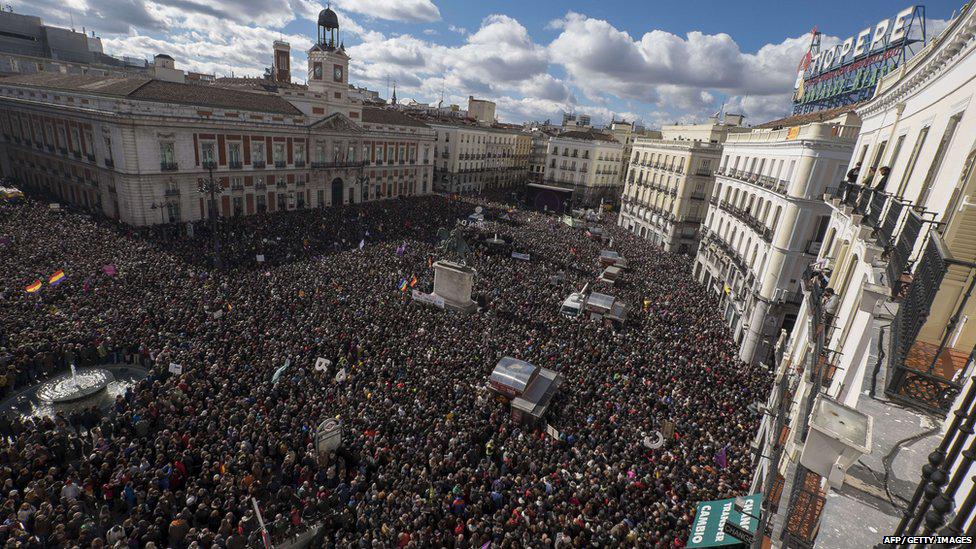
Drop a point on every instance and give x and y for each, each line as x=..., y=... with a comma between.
x=75, y=385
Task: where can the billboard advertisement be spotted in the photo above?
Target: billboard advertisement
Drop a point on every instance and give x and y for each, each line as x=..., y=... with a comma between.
x=848, y=72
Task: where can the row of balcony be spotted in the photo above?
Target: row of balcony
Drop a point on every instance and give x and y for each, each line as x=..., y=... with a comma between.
x=66, y=175
x=767, y=182
x=673, y=191
x=494, y=170
x=640, y=209
x=659, y=166
x=712, y=240
x=77, y=155
x=750, y=220
x=259, y=164
x=896, y=223
x=388, y=162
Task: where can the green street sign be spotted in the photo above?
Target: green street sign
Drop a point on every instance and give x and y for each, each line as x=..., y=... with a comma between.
x=708, y=530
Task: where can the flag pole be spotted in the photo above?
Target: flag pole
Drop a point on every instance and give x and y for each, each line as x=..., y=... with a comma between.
x=265, y=537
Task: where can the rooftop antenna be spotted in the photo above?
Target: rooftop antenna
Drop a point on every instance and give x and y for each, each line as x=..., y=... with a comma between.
x=72, y=16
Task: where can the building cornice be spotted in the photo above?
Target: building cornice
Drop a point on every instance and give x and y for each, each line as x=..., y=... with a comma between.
x=152, y=120
x=939, y=56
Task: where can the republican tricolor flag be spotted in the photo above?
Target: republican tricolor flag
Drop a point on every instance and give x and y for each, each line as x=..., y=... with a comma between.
x=36, y=286
x=56, y=278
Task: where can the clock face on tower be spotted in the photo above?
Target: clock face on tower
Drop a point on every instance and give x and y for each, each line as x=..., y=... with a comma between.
x=337, y=73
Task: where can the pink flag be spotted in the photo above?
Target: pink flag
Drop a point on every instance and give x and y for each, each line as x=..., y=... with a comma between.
x=109, y=269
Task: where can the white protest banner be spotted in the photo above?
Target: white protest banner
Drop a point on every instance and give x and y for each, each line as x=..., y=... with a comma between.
x=175, y=368
x=551, y=431
x=430, y=299
x=523, y=257
x=322, y=364
x=260, y=258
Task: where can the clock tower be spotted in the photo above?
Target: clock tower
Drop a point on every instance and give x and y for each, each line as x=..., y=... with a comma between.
x=328, y=66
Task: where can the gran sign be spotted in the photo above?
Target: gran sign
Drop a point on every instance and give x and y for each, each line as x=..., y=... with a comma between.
x=886, y=34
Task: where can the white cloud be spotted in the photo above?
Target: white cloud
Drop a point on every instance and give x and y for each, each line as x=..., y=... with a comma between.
x=760, y=108
x=669, y=70
x=460, y=30
x=423, y=11
x=500, y=56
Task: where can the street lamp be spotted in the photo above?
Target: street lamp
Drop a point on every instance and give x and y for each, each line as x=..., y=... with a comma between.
x=207, y=185
x=159, y=207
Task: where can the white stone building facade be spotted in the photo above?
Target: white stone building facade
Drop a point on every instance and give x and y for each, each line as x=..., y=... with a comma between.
x=765, y=223
x=138, y=149
x=668, y=183
x=900, y=255
x=587, y=162
x=469, y=158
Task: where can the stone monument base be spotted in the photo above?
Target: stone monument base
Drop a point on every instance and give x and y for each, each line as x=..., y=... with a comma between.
x=453, y=282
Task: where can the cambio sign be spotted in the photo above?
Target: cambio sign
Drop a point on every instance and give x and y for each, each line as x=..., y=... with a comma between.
x=887, y=33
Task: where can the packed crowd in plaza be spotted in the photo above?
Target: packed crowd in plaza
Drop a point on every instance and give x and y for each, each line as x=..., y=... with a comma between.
x=429, y=457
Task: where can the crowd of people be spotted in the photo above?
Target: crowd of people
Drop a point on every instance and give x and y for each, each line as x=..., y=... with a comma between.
x=429, y=456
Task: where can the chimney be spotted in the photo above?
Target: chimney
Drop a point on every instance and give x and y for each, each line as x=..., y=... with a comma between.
x=734, y=119
x=282, y=61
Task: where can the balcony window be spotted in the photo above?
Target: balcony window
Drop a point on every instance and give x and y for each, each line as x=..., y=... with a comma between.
x=167, y=155
x=109, y=159
x=234, y=155
x=257, y=152
x=279, y=154
x=207, y=153
x=299, y=154
x=75, y=140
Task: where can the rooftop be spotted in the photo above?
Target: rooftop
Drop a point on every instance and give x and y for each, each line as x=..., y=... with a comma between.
x=146, y=89
x=810, y=117
x=258, y=84
x=810, y=131
x=441, y=120
x=376, y=115
x=588, y=135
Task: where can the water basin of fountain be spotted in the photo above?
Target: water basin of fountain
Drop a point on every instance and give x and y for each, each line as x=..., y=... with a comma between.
x=74, y=386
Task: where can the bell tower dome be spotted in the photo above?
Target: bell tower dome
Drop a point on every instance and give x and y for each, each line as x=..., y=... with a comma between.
x=328, y=66
x=328, y=28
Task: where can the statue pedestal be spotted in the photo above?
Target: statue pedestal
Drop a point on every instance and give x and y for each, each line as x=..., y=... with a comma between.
x=453, y=283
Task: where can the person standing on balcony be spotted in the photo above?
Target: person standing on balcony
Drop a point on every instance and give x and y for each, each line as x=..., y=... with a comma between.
x=853, y=173
x=830, y=302
x=870, y=176
x=883, y=180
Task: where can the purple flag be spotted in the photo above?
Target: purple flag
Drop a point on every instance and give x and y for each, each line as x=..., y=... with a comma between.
x=722, y=457
x=109, y=269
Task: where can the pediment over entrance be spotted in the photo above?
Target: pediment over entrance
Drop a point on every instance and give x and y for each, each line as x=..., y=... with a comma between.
x=337, y=122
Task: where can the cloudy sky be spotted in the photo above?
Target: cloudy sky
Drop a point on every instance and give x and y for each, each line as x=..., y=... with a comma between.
x=660, y=61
